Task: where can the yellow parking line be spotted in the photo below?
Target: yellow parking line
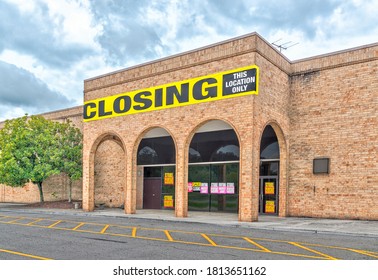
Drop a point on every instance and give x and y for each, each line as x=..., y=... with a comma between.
x=104, y=229
x=12, y=221
x=37, y=220
x=311, y=250
x=364, y=253
x=54, y=224
x=209, y=239
x=133, y=233
x=79, y=225
x=168, y=235
x=24, y=255
x=256, y=244
x=371, y=252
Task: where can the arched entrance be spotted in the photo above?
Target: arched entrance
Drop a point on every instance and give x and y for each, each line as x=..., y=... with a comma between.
x=156, y=162
x=269, y=172
x=213, y=171
x=109, y=173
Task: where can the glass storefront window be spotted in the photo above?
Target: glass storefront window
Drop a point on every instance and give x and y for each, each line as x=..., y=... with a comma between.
x=269, y=168
x=226, y=153
x=150, y=172
x=214, y=146
x=168, y=187
x=194, y=156
x=222, y=182
x=213, y=183
x=197, y=200
x=147, y=154
x=269, y=148
x=158, y=150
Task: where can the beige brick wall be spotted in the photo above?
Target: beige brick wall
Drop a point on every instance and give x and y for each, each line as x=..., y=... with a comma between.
x=334, y=113
x=109, y=170
x=139, y=191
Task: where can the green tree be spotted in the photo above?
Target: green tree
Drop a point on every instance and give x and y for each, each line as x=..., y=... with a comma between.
x=28, y=152
x=70, y=158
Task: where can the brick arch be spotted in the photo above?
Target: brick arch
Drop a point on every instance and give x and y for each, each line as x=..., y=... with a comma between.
x=137, y=183
x=279, y=133
x=143, y=133
x=194, y=130
x=188, y=141
x=283, y=177
x=89, y=197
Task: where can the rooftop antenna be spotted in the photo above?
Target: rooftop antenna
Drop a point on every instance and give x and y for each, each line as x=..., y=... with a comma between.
x=284, y=46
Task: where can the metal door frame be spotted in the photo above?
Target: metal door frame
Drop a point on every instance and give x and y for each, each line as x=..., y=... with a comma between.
x=261, y=194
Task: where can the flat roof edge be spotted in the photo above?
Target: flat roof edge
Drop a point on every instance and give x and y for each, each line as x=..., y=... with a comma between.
x=335, y=53
x=60, y=110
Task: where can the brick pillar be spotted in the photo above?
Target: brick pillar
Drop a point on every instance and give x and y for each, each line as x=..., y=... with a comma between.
x=282, y=141
x=181, y=193
x=131, y=185
x=88, y=178
x=248, y=199
x=255, y=180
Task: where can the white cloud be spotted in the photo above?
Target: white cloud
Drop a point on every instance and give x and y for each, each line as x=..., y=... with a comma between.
x=11, y=112
x=73, y=22
x=58, y=44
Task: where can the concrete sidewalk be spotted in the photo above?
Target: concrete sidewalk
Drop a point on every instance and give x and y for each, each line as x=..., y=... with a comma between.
x=312, y=225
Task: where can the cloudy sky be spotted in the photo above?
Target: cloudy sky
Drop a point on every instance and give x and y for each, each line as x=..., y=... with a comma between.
x=48, y=47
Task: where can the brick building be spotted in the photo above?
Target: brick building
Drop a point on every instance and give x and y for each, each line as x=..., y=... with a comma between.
x=236, y=127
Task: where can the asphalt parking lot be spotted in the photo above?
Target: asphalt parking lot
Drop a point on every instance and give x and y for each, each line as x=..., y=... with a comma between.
x=151, y=234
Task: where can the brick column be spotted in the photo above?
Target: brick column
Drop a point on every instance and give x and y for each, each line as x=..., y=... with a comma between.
x=131, y=185
x=88, y=178
x=181, y=193
x=248, y=198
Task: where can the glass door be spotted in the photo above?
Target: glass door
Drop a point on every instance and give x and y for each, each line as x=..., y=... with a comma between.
x=213, y=187
x=268, y=203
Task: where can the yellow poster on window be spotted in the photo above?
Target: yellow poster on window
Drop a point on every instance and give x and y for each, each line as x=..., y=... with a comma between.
x=270, y=206
x=168, y=179
x=168, y=201
x=269, y=187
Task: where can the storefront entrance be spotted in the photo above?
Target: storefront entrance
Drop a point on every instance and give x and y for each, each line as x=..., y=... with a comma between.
x=157, y=156
x=269, y=172
x=158, y=187
x=152, y=193
x=268, y=199
x=213, y=171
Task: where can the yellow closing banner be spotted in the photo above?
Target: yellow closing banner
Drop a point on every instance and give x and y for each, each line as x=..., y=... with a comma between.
x=233, y=83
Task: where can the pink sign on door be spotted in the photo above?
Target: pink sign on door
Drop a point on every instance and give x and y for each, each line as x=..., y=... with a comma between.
x=230, y=188
x=222, y=189
x=204, y=188
x=214, y=188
